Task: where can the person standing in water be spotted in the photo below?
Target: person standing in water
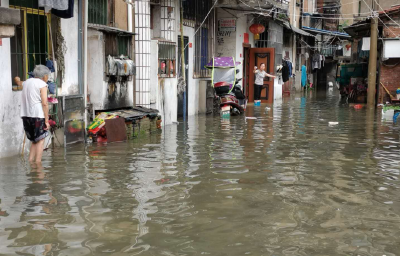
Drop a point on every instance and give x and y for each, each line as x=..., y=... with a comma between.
x=260, y=74
x=35, y=110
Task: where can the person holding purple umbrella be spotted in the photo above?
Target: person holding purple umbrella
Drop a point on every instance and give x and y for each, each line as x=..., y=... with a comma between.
x=260, y=74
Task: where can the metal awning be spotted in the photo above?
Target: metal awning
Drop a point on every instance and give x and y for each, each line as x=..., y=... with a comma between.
x=110, y=29
x=296, y=30
x=326, y=32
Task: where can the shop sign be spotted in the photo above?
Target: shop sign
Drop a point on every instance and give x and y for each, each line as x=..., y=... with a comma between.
x=227, y=24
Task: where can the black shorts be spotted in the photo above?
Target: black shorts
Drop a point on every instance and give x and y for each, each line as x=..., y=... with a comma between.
x=35, y=128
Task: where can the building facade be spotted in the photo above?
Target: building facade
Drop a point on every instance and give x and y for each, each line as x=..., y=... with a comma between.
x=39, y=37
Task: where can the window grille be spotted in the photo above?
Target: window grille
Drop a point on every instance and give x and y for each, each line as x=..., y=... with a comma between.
x=168, y=27
x=166, y=59
x=116, y=45
x=98, y=12
x=194, y=13
x=31, y=44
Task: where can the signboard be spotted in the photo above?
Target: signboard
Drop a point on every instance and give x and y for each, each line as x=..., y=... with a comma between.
x=227, y=24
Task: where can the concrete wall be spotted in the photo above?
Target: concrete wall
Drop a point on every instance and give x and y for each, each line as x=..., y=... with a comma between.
x=232, y=42
x=11, y=129
x=70, y=31
x=102, y=93
x=163, y=91
x=385, y=4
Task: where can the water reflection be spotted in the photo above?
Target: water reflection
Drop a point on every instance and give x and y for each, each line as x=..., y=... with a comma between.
x=285, y=183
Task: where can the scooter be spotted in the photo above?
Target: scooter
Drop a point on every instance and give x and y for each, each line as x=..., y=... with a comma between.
x=229, y=98
x=228, y=94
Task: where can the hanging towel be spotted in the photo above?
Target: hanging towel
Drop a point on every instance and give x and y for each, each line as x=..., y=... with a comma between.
x=69, y=13
x=290, y=68
x=303, y=75
x=366, y=44
x=285, y=71
x=54, y=4
x=347, y=49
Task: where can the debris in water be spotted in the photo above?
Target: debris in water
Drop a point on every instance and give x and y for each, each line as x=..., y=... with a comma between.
x=333, y=123
x=251, y=117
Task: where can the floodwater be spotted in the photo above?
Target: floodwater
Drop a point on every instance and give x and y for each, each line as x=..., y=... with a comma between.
x=286, y=183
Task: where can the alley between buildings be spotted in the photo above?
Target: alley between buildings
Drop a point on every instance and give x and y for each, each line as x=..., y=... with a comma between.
x=285, y=183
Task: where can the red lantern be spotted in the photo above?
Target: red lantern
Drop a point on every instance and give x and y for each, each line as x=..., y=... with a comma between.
x=257, y=29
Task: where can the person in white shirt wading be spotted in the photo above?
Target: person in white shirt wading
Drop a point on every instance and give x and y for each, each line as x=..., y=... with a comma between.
x=258, y=84
x=35, y=111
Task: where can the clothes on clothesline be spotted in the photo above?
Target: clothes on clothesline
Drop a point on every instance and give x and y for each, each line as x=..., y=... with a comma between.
x=347, y=49
x=61, y=5
x=318, y=61
x=316, y=64
x=366, y=44
x=303, y=75
x=65, y=14
x=286, y=70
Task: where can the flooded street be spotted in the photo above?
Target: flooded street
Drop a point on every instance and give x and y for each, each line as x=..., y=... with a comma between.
x=286, y=183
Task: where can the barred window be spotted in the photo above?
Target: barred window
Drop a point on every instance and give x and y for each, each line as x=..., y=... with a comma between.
x=116, y=45
x=98, y=12
x=30, y=46
x=194, y=13
x=166, y=59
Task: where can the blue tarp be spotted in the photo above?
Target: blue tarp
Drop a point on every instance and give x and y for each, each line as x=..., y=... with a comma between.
x=326, y=32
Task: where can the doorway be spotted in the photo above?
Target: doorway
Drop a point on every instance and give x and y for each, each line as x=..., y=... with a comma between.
x=183, y=96
x=258, y=56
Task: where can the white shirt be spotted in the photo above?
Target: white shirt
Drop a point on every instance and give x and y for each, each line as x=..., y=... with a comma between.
x=31, y=101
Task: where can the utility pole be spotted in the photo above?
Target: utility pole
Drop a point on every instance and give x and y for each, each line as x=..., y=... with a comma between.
x=373, y=59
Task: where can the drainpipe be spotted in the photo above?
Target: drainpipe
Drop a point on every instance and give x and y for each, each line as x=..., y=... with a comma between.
x=130, y=29
x=85, y=57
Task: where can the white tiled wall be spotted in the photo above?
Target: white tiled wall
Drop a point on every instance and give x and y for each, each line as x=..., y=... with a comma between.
x=142, y=46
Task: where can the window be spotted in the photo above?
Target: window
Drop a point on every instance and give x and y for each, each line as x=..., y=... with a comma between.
x=201, y=56
x=30, y=46
x=194, y=13
x=98, y=12
x=117, y=45
x=166, y=59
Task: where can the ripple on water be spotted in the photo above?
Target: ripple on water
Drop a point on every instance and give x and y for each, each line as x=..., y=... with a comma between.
x=286, y=183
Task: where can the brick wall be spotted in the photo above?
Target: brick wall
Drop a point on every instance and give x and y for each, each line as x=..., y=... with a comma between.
x=320, y=5
x=390, y=78
x=391, y=31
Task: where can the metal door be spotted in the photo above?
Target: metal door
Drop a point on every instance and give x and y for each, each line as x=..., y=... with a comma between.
x=73, y=114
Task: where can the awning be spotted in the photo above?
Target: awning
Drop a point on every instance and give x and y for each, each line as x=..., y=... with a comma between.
x=326, y=32
x=296, y=30
x=110, y=29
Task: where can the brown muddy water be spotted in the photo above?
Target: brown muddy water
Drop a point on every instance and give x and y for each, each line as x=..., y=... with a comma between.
x=286, y=183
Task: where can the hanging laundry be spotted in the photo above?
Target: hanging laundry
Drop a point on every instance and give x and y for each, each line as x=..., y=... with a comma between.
x=50, y=65
x=290, y=65
x=315, y=61
x=307, y=55
x=366, y=44
x=285, y=71
x=66, y=14
x=303, y=75
x=53, y=4
x=347, y=49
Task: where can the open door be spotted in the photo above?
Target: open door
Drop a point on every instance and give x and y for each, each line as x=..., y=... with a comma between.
x=258, y=56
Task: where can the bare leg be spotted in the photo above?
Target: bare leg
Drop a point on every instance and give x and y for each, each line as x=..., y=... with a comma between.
x=32, y=153
x=39, y=150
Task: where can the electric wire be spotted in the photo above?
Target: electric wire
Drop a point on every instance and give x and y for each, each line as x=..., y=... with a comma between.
x=374, y=13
